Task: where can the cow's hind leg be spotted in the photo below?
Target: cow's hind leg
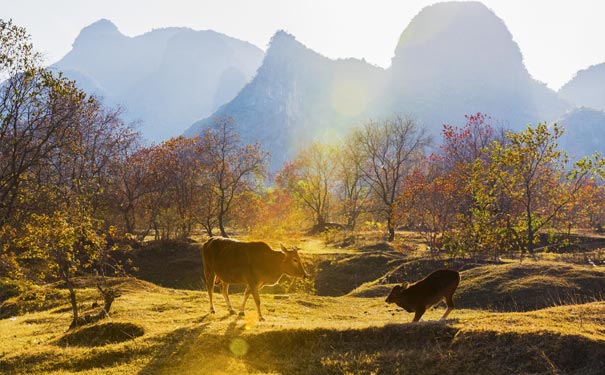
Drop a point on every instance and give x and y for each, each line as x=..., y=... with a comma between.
x=450, y=306
x=225, y=291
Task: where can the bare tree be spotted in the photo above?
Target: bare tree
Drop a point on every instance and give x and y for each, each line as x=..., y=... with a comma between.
x=232, y=168
x=390, y=148
x=352, y=191
x=311, y=177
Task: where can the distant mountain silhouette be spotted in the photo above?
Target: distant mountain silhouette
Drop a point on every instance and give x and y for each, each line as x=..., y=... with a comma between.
x=458, y=58
x=168, y=78
x=298, y=96
x=587, y=88
x=453, y=59
x=584, y=132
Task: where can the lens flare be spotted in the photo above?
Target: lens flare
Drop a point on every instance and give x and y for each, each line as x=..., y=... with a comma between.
x=239, y=347
x=348, y=98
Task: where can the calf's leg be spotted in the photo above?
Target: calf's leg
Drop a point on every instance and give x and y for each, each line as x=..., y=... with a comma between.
x=419, y=312
x=450, y=306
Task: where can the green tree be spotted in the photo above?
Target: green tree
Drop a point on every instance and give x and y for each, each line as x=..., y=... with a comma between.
x=527, y=183
x=61, y=245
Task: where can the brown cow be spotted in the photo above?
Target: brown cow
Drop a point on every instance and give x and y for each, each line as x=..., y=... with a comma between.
x=250, y=263
x=422, y=294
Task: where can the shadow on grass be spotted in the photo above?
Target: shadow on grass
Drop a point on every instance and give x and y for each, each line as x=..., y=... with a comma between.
x=535, y=353
x=300, y=351
x=101, y=334
x=424, y=348
x=50, y=361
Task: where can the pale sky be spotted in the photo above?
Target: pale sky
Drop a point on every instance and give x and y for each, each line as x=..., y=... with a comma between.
x=557, y=37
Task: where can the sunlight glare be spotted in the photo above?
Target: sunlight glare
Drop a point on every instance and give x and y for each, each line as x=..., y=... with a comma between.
x=251, y=320
x=348, y=98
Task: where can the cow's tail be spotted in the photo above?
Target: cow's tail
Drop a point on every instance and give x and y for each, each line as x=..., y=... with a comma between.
x=205, y=246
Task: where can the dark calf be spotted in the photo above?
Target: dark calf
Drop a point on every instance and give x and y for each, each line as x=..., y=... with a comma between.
x=422, y=294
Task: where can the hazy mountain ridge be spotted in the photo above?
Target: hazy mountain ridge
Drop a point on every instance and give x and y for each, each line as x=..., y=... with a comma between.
x=167, y=77
x=453, y=59
x=587, y=88
x=298, y=96
x=584, y=132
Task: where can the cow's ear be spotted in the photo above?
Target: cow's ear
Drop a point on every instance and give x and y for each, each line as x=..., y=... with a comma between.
x=283, y=249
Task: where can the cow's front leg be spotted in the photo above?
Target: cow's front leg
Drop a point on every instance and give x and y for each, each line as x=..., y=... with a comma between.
x=246, y=295
x=210, y=280
x=257, y=301
x=225, y=291
x=419, y=312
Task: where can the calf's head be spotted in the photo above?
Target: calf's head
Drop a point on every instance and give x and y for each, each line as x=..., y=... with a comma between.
x=397, y=294
x=292, y=264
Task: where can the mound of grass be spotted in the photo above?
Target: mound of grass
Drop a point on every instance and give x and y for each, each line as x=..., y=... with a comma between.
x=172, y=264
x=55, y=296
x=529, y=286
x=349, y=351
x=410, y=271
x=11, y=288
x=557, y=340
x=490, y=352
x=337, y=277
x=101, y=334
x=36, y=298
x=415, y=269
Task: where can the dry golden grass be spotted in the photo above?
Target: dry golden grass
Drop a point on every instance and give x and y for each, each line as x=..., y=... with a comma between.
x=303, y=334
x=158, y=330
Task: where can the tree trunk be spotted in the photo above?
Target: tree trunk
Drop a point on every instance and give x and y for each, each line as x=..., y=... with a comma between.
x=391, y=230
x=530, y=233
x=221, y=226
x=156, y=230
x=128, y=223
x=109, y=295
x=74, y=303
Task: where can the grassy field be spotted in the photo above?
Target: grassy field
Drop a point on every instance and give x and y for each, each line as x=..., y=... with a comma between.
x=507, y=323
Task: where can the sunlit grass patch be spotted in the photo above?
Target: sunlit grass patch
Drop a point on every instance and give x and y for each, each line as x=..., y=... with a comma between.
x=302, y=334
